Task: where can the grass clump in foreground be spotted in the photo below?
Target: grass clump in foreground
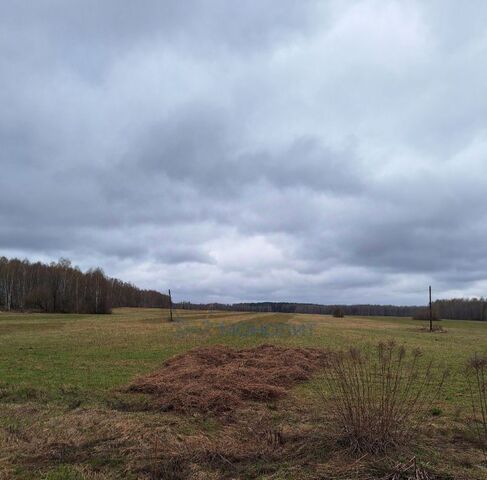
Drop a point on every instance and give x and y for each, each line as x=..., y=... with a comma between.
x=378, y=400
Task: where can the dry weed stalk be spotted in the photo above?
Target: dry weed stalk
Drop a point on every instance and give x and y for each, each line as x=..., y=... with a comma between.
x=477, y=385
x=379, y=400
x=409, y=471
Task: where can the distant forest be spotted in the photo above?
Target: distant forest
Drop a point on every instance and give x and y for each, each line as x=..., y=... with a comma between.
x=454, y=309
x=60, y=287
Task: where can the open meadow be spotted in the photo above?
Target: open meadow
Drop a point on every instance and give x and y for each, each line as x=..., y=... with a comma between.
x=66, y=413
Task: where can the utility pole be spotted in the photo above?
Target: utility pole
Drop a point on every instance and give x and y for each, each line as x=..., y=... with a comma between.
x=431, y=313
x=170, y=306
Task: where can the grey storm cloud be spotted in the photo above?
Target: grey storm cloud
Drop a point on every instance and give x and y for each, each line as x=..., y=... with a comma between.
x=318, y=151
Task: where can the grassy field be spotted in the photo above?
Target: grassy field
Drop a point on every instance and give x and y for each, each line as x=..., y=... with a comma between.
x=63, y=416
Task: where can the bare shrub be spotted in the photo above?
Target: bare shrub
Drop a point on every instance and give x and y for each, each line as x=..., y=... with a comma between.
x=378, y=400
x=338, y=313
x=477, y=385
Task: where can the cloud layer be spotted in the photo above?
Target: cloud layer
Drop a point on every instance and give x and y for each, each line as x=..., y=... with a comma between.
x=318, y=151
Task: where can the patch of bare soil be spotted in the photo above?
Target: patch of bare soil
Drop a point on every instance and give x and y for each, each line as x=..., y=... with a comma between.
x=218, y=379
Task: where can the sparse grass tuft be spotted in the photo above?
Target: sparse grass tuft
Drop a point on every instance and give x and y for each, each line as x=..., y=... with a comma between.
x=63, y=472
x=379, y=400
x=436, y=412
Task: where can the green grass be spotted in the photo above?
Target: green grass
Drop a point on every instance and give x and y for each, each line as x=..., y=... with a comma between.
x=57, y=363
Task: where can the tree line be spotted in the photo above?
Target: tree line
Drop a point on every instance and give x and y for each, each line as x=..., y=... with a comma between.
x=462, y=309
x=61, y=287
x=317, y=309
x=454, y=309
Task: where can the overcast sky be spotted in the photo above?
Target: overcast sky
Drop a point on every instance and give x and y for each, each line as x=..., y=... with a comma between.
x=322, y=151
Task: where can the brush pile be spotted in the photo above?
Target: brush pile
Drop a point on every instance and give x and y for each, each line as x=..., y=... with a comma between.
x=219, y=379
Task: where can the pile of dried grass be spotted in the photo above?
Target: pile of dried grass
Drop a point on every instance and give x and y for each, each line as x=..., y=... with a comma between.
x=218, y=379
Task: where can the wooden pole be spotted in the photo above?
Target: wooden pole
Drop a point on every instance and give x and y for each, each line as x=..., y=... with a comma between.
x=431, y=313
x=170, y=306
